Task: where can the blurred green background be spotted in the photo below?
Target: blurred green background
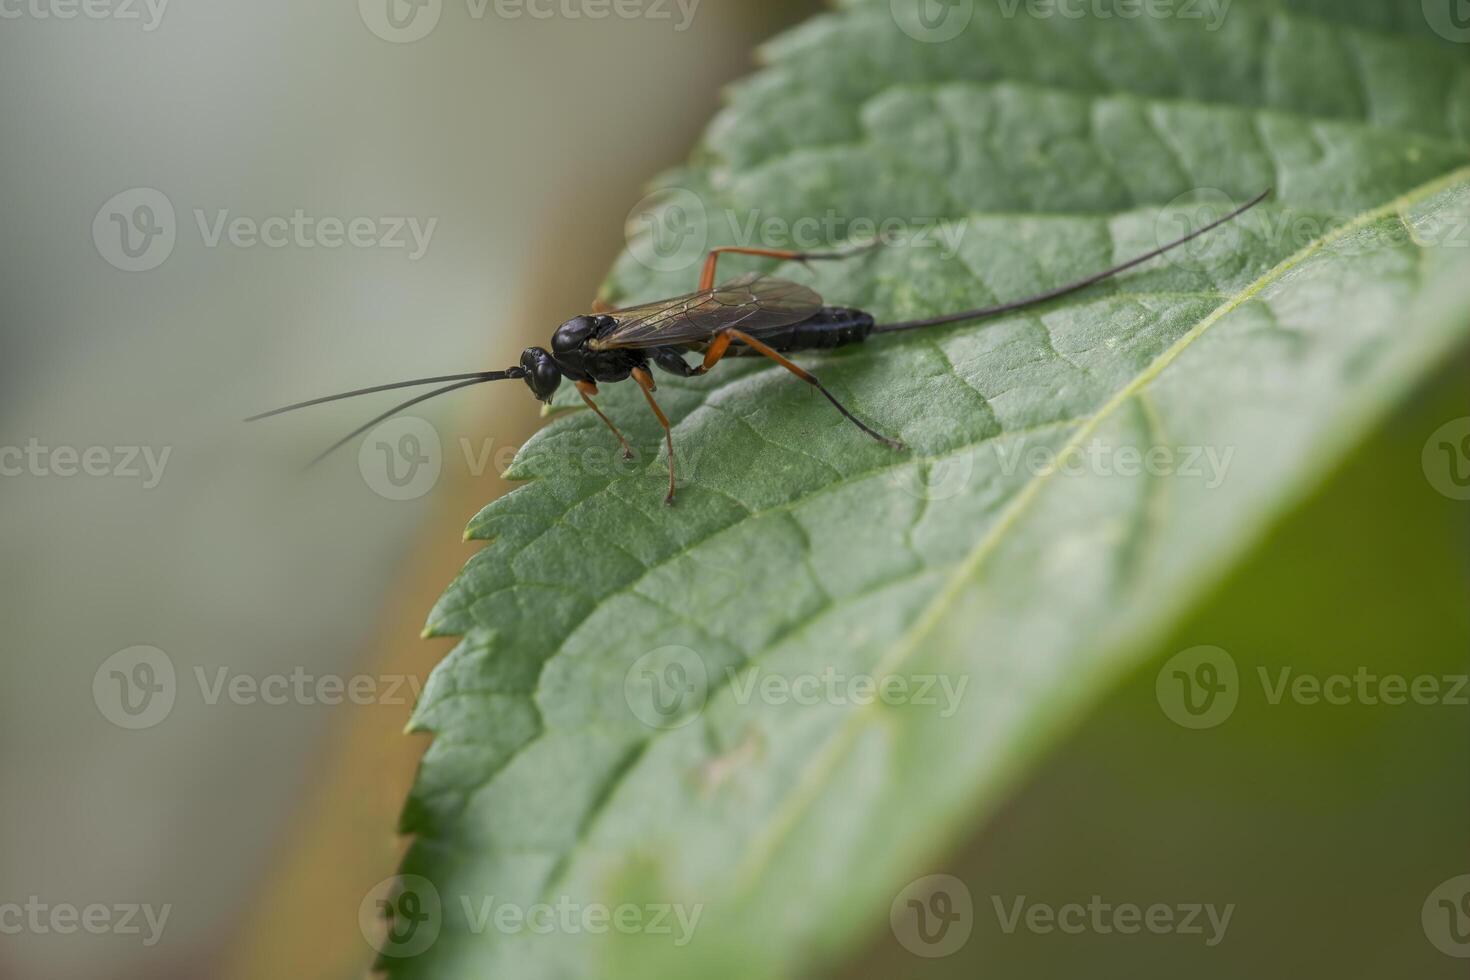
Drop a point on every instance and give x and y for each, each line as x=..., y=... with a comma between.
x=529, y=141
x=1327, y=826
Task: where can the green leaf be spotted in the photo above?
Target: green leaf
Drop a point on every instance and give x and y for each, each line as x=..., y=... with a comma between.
x=1011, y=554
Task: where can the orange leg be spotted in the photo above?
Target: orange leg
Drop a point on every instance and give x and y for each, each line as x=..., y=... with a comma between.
x=645, y=381
x=587, y=389
x=717, y=350
x=707, y=278
x=600, y=305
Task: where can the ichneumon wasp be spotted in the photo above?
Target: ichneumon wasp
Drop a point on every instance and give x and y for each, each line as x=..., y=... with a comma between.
x=752, y=315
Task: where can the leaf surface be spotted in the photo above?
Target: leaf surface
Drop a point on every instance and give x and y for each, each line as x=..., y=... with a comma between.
x=1023, y=554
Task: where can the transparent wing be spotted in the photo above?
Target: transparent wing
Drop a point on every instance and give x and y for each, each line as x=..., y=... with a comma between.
x=753, y=303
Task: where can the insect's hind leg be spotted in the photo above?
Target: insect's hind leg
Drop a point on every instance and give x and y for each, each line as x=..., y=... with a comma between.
x=707, y=277
x=721, y=344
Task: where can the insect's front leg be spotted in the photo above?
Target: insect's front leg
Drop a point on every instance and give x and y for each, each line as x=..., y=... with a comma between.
x=587, y=389
x=645, y=381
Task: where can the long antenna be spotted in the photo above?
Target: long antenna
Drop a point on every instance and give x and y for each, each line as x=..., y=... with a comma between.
x=1070, y=288
x=478, y=376
x=399, y=408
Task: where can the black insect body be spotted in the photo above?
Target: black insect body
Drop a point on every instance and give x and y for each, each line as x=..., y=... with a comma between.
x=749, y=316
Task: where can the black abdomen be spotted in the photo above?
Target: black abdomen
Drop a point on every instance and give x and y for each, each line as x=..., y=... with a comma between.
x=831, y=326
